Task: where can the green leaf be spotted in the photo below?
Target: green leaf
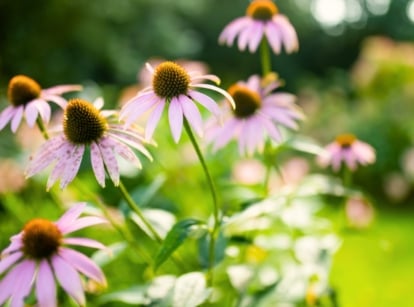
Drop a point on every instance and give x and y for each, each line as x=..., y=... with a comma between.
x=176, y=236
x=190, y=290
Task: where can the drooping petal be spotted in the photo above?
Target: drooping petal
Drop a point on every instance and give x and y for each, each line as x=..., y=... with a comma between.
x=230, y=32
x=206, y=102
x=97, y=164
x=226, y=133
x=45, y=285
x=68, y=278
x=153, y=120
x=61, y=89
x=288, y=33
x=31, y=113
x=83, y=264
x=136, y=144
x=6, y=116
x=175, y=117
x=84, y=242
x=8, y=261
x=44, y=110
x=125, y=152
x=256, y=36
x=72, y=167
x=191, y=113
x=70, y=216
x=245, y=35
x=218, y=90
x=17, y=118
x=274, y=37
x=109, y=159
x=23, y=283
x=15, y=245
x=60, y=101
x=138, y=106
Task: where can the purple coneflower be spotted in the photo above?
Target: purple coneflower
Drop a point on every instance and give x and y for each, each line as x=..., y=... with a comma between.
x=172, y=85
x=257, y=115
x=38, y=258
x=262, y=19
x=84, y=125
x=28, y=99
x=350, y=150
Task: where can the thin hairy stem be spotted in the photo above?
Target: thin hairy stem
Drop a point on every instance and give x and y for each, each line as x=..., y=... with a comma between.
x=42, y=128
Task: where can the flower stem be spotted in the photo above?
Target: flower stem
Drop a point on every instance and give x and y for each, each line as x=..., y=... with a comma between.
x=213, y=233
x=265, y=57
x=42, y=128
x=134, y=207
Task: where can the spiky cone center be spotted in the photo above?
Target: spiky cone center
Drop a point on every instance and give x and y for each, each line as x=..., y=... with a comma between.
x=82, y=122
x=345, y=140
x=170, y=80
x=22, y=90
x=262, y=10
x=246, y=100
x=41, y=239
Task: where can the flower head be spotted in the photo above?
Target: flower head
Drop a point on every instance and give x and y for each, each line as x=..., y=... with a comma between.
x=258, y=114
x=84, y=125
x=28, y=99
x=262, y=20
x=172, y=85
x=350, y=150
x=38, y=256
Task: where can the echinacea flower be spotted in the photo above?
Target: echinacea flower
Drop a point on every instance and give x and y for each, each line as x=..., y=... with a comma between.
x=28, y=99
x=258, y=114
x=262, y=20
x=348, y=149
x=84, y=125
x=38, y=258
x=173, y=86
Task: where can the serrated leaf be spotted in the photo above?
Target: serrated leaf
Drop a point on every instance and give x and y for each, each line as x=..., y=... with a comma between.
x=190, y=290
x=175, y=237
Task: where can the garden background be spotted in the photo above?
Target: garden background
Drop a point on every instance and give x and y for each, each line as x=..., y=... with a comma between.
x=354, y=72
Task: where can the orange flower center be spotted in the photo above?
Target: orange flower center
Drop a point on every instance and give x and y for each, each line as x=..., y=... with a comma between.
x=22, y=90
x=170, y=80
x=247, y=101
x=345, y=140
x=262, y=10
x=82, y=122
x=41, y=239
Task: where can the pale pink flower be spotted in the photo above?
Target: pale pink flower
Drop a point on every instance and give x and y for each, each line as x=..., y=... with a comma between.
x=359, y=212
x=262, y=20
x=348, y=149
x=29, y=100
x=84, y=125
x=38, y=258
x=176, y=88
x=257, y=115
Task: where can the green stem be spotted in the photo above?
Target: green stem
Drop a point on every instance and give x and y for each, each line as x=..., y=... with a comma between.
x=134, y=207
x=216, y=215
x=42, y=128
x=265, y=57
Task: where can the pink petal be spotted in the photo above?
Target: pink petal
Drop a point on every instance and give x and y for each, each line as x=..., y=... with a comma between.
x=206, y=102
x=289, y=35
x=61, y=89
x=125, y=152
x=84, y=242
x=60, y=101
x=70, y=216
x=245, y=36
x=17, y=118
x=83, y=264
x=45, y=286
x=109, y=159
x=229, y=129
x=274, y=37
x=233, y=29
x=153, y=120
x=6, y=116
x=126, y=139
x=272, y=130
x=218, y=90
x=191, y=113
x=175, y=116
x=69, y=279
x=44, y=110
x=256, y=37
x=72, y=167
x=350, y=159
x=138, y=106
x=23, y=283
x=31, y=113
x=15, y=245
x=82, y=222
x=8, y=261
x=97, y=164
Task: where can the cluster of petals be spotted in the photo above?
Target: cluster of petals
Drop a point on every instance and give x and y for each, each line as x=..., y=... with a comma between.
x=276, y=109
x=67, y=156
x=351, y=154
x=277, y=30
x=36, y=107
x=180, y=107
x=22, y=274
